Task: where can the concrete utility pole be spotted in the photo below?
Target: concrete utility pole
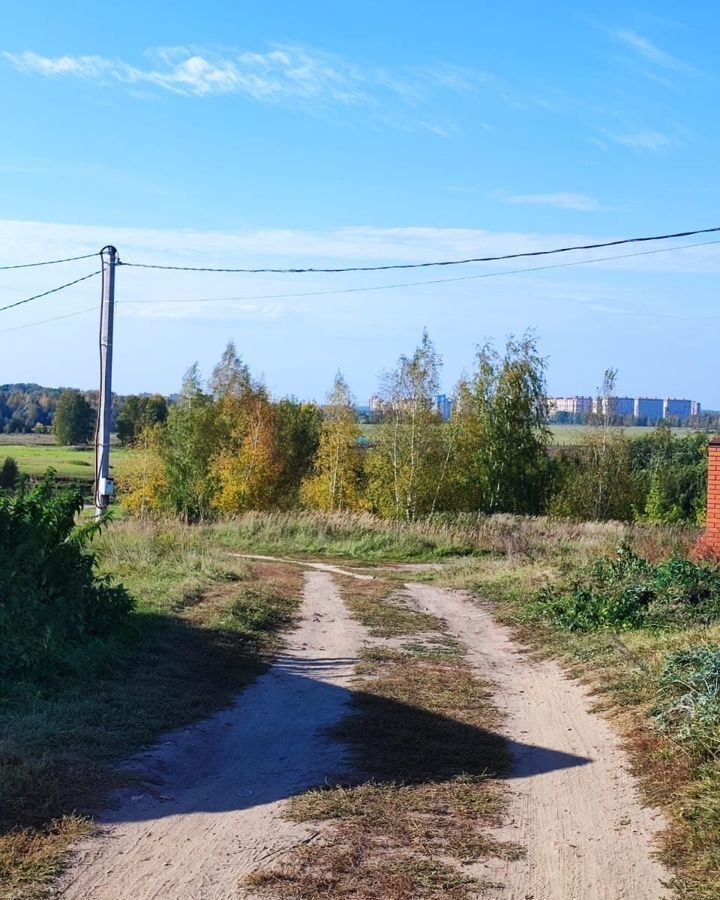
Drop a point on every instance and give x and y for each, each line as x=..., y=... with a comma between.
x=103, y=482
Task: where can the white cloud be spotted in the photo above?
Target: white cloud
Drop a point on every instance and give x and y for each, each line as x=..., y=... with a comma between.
x=646, y=139
x=580, y=202
x=284, y=73
x=653, y=53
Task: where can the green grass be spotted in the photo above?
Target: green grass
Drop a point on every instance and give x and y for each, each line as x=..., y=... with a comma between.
x=573, y=434
x=69, y=462
x=562, y=434
x=203, y=628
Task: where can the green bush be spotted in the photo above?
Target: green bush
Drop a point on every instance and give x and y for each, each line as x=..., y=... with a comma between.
x=9, y=474
x=51, y=597
x=626, y=591
x=689, y=705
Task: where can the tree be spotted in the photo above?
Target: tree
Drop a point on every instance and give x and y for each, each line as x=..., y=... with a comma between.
x=405, y=463
x=230, y=377
x=245, y=472
x=501, y=461
x=597, y=481
x=9, y=473
x=138, y=413
x=187, y=446
x=336, y=478
x=297, y=431
x=74, y=421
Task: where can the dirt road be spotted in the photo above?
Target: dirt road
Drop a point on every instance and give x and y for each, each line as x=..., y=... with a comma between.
x=211, y=810
x=211, y=807
x=586, y=834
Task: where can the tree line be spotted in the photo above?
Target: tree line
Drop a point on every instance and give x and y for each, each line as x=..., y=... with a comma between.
x=226, y=447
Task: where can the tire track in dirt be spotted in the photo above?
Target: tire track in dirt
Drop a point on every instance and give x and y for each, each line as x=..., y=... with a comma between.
x=209, y=807
x=587, y=835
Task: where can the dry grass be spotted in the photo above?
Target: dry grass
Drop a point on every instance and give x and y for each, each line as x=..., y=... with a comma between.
x=31, y=855
x=366, y=537
x=383, y=609
x=424, y=738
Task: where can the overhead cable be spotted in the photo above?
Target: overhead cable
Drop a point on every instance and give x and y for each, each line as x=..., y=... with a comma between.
x=78, y=312
x=383, y=287
x=425, y=265
x=51, y=291
x=47, y=262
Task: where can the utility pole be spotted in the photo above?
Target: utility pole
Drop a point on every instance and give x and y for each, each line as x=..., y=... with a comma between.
x=103, y=482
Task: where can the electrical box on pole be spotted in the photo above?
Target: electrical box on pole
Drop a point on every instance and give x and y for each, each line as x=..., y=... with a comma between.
x=103, y=482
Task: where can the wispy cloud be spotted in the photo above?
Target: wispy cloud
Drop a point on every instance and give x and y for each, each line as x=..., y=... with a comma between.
x=580, y=202
x=282, y=74
x=646, y=139
x=651, y=52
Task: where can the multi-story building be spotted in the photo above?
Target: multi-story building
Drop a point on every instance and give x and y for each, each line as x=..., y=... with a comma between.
x=444, y=406
x=674, y=407
x=617, y=406
x=650, y=408
x=574, y=406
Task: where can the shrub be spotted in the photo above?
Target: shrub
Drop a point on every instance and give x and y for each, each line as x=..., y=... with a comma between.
x=50, y=594
x=689, y=705
x=626, y=591
x=9, y=473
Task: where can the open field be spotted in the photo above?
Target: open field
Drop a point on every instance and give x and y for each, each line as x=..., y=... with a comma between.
x=34, y=458
x=565, y=435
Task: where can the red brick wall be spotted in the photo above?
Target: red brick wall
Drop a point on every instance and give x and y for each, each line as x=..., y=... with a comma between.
x=712, y=532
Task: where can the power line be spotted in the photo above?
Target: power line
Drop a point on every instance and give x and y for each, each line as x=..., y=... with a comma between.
x=383, y=287
x=79, y=312
x=424, y=265
x=47, y=262
x=51, y=291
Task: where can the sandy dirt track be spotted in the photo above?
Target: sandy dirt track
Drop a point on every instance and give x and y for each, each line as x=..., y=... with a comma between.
x=211, y=807
x=211, y=810
x=586, y=834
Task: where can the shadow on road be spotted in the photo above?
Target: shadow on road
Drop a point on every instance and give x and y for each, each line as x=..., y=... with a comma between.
x=289, y=731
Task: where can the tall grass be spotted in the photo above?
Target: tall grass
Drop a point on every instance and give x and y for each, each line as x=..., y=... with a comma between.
x=367, y=537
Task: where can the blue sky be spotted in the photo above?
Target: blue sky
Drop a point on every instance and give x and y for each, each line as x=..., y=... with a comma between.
x=350, y=133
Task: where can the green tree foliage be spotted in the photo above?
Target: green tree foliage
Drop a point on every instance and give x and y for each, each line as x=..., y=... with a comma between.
x=596, y=479
x=297, y=429
x=74, y=421
x=336, y=478
x=9, y=473
x=501, y=461
x=406, y=462
x=187, y=446
x=139, y=412
x=51, y=594
x=671, y=473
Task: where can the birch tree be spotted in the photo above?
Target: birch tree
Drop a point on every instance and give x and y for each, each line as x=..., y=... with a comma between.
x=336, y=478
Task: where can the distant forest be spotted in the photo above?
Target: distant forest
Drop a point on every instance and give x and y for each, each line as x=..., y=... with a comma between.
x=26, y=408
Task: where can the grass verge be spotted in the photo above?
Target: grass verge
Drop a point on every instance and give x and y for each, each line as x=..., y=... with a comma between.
x=203, y=627
x=423, y=732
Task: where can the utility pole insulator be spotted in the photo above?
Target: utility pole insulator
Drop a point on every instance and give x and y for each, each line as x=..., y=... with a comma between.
x=103, y=481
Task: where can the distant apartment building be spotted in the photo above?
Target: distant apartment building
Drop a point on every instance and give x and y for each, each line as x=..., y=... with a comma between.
x=444, y=406
x=618, y=406
x=682, y=409
x=574, y=406
x=648, y=409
